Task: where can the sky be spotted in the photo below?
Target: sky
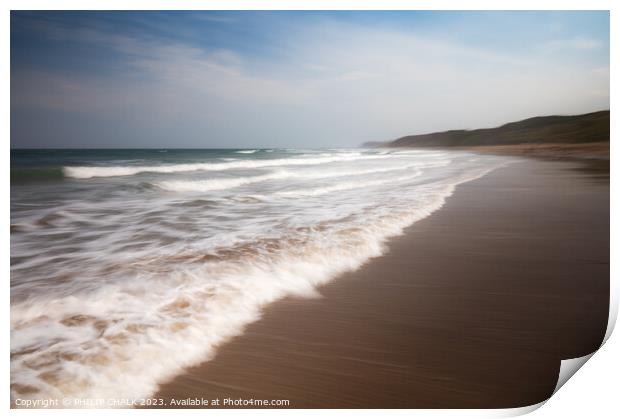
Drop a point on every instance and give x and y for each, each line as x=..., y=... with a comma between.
x=295, y=79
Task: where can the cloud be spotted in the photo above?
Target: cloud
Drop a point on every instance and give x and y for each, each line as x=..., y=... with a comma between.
x=331, y=84
x=215, y=17
x=577, y=43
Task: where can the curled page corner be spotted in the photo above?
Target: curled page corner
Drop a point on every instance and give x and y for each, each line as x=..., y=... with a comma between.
x=613, y=312
x=569, y=367
x=519, y=411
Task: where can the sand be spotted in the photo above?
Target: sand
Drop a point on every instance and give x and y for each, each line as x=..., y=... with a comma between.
x=591, y=150
x=474, y=307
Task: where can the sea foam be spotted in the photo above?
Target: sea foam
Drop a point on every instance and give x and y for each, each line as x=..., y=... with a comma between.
x=115, y=294
x=86, y=172
x=217, y=184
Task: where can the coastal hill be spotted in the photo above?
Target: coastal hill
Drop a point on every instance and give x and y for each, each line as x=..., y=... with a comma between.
x=577, y=129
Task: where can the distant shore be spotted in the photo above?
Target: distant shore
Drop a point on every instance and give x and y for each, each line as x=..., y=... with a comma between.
x=585, y=136
x=474, y=307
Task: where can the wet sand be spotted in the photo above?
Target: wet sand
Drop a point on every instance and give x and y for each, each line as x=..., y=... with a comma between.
x=474, y=307
x=591, y=150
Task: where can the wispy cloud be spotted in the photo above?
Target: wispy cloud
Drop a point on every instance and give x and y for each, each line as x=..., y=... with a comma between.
x=331, y=83
x=215, y=17
x=577, y=43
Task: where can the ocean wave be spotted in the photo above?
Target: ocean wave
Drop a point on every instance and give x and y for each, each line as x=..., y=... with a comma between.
x=102, y=311
x=123, y=338
x=217, y=184
x=229, y=183
x=343, y=186
x=86, y=172
x=246, y=151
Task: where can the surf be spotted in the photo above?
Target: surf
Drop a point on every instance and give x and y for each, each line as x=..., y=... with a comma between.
x=87, y=172
x=117, y=287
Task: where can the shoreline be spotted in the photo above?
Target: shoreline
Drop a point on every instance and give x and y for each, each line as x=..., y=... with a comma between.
x=599, y=150
x=472, y=307
x=580, y=151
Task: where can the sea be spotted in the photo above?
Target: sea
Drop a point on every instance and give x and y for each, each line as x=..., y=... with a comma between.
x=128, y=266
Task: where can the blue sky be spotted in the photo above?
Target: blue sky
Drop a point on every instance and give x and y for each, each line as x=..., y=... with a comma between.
x=294, y=79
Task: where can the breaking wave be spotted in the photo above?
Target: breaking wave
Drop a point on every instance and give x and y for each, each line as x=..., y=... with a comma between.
x=115, y=289
x=86, y=172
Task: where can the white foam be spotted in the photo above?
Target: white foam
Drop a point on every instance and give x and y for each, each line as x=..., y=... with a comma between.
x=86, y=172
x=136, y=305
x=229, y=183
x=343, y=186
x=131, y=335
x=246, y=151
x=217, y=184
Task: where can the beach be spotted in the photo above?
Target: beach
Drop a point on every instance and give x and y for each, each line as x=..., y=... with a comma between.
x=589, y=150
x=147, y=261
x=472, y=307
x=306, y=209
